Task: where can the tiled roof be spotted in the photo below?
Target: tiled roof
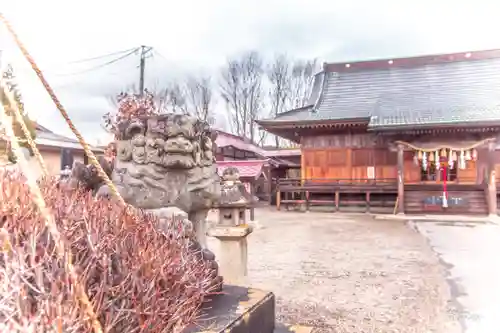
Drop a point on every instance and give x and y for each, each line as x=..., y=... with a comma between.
x=41, y=128
x=430, y=90
x=229, y=140
x=304, y=112
x=466, y=91
x=48, y=138
x=283, y=152
x=247, y=169
x=299, y=114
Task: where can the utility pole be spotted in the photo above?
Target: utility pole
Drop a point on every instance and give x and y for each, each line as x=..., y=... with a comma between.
x=142, y=67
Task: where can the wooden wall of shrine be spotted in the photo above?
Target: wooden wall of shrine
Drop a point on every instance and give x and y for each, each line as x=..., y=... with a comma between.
x=347, y=156
x=363, y=156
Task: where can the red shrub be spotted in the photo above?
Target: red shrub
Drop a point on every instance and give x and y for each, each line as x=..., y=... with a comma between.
x=134, y=275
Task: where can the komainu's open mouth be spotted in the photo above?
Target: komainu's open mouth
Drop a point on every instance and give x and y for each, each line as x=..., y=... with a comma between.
x=178, y=160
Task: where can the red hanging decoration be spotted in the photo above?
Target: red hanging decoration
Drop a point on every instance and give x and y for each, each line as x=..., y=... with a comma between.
x=444, y=167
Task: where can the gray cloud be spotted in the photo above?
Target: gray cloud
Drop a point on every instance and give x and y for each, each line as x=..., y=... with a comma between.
x=193, y=35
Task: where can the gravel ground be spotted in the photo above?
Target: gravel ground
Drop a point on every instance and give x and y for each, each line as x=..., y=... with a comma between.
x=348, y=273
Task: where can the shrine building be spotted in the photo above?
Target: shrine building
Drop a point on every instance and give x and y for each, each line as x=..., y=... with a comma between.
x=417, y=134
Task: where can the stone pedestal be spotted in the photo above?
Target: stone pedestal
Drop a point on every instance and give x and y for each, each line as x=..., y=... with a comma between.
x=242, y=310
x=233, y=255
x=237, y=310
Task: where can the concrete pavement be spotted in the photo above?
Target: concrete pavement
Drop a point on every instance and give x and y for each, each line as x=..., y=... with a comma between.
x=470, y=253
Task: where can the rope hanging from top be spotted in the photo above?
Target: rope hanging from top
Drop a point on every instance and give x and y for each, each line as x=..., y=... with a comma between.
x=62, y=110
x=37, y=196
x=19, y=118
x=439, y=147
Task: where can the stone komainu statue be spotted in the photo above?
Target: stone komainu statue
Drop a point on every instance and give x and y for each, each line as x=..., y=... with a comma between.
x=168, y=160
x=162, y=161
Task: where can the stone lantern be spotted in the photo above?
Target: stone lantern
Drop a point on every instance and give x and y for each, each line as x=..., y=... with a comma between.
x=234, y=201
x=231, y=228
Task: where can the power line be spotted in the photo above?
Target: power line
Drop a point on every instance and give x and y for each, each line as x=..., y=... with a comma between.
x=161, y=55
x=102, y=65
x=103, y=56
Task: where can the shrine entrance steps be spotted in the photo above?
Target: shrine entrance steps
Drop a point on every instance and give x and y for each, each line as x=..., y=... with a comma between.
x=463, y=199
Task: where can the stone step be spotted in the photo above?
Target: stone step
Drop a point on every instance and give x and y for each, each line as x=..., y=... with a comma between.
x=238, y=310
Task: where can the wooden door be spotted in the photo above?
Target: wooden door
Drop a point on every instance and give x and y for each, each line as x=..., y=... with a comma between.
x=361, y=159
x=326, y=164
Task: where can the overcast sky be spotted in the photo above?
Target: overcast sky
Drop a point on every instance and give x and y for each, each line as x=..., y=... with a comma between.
x=195, y=35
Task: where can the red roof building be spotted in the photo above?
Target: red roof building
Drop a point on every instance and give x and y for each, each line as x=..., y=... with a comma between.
x=249, y=170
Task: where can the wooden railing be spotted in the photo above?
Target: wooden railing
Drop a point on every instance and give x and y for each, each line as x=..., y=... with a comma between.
x=329, y=191
x=322, y=182
x=360, y=192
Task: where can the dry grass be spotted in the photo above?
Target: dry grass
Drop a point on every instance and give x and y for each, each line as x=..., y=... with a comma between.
x=137, y=279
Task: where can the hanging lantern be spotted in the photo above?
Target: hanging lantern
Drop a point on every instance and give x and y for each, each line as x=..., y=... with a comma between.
x=468, y=155
x=462, y=160
x=424, y=161
x=436, y=159
x=415, y=159
x=450, y=159
x=443, y=152
x=419, y=155
x=431, y=157
x=474, y=154
x=454, y=156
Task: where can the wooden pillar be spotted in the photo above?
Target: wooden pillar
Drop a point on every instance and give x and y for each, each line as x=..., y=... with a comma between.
x=269, y=174
x=401, y=187
x=302, y=164
x=492, y=185
x=278, y=198
x=337, y=200
x=252, y=193
x=307, y=201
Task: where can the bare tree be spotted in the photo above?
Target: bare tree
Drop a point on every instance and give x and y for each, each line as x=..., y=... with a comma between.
x=301, y=82
x=242, y=91
x=199, y=97
x=279, y=76
x=290, y=84
x=174, y=98
x=230, y=90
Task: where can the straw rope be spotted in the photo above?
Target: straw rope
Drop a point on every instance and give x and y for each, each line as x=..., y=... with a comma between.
x=63, y=112
x=395, y=206
x=439, y=147
x=49, y=218
x=26, y=132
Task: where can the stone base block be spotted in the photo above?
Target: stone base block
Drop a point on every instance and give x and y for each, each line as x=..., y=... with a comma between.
x=233, y=254
x=238, y=310
x=230, y=232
